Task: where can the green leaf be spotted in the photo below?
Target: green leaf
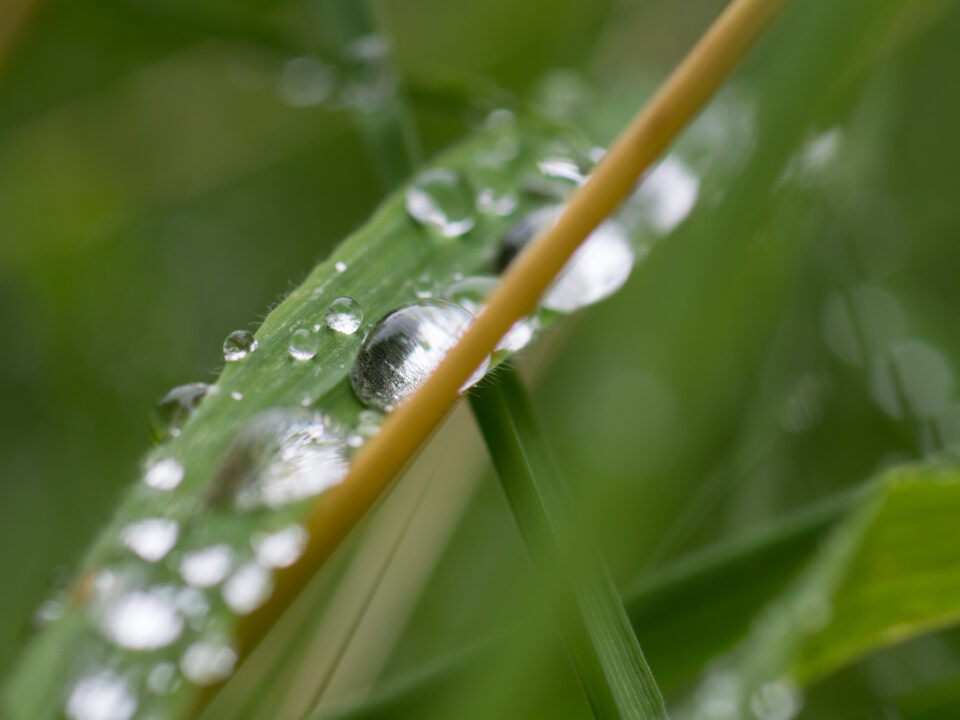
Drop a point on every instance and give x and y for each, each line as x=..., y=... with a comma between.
x=608, y=659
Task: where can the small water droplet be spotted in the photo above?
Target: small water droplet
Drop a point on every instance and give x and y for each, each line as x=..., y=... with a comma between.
x=306, y=81
x=163, y=678
x=561, y=168
x=279, y=457
x=775, y=700
x=247, y=589
x=193, y=603
x=404, y=348
x=208, y=566
x=423, y=287
x=238, y=345
x=372, y=80
x=501, y=126
x=101, y=695
x=151, y=538
x=236, y=395
x=471, y=294
x=175, y=408
x=340, y=267
x=142, y=619
x=344, y=316
x=208, y=662
x=164, y=474
x=599, y=267
x=281, y=548
x=303, y=345
x=440, y=199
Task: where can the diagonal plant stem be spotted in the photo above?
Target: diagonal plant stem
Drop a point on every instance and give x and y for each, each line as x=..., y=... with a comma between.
x=681, y=96
x=615, y=675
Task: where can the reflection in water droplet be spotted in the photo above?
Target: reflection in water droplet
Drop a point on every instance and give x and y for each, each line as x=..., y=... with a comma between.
x=238, y=345
x=776, y=700
x=440, y=199
x=404, y=348
x=344, y=315
x=561, y=168
x=281, y=548
x=142, y=619
x=280, y=456
x=303, y=345
x=174, y=408
x=912, y=379
x=101, y=696
x=306, y=81
x=207, y=567
x=151, y=538
x=163, y=678
x=667, y=195
x=206, y=663
x=247, y=589
x=599, y=267
x=861, y=323
x=471, y=293
x=164, y=474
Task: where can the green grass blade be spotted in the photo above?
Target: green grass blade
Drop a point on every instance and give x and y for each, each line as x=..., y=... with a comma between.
x=605, y=652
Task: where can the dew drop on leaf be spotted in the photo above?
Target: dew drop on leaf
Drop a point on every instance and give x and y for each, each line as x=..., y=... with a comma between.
x=303, y=345
x=281, y=548
x=247, y=589
x=207, y=662
x=101, y=695
x=404, y=348
x=208, y=566
x=175, y=408
x=344, y=316
x=471, y=294
x=163, y=678
x=151, y=538
x=142, y=619
x=164, y=474
x=238, y=345
x=440, y=199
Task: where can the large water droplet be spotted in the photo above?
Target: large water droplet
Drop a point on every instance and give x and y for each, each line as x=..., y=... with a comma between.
x=164, y=474
x=471, y=294
x=303, y=345
x=281, y=456
x=151, y=538
x=208, y=566
x=238, y=345
x=101, y=695
x=247, y=589
x=440, y=199
x=174, y=408
x=404, y=348
x=208, y=662
x=344, y=316
x=142, y=619
x=599, y=267
x=281, y=548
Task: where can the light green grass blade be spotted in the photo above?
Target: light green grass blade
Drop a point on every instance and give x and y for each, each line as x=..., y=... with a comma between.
x=605, y=652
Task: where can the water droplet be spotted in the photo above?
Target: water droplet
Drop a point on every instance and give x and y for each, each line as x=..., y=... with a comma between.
x=912, y=379
x=247, y=589
x=666, y=196
x=340, y=267
x=423, y=287
x=193, y=603
x=371, y=78
x=440, y=199
x=501, y=126
x=142, y=619
x=236, y=395
x=471, y=293
x=101, y=696
x=561, y=168
x=306, y=81
x=151, y=538
x=492, y=202
x=404, y=348
x=861, y=323
x=164, y=474
x=163, y=678
x=208, y=566
x=175, y=408
x=344, y=315
x=776, y=700
x=206, y=662
x=238, y=345
x=303, y=345
x=281, y=548
x=279, y=457
x=599, y=267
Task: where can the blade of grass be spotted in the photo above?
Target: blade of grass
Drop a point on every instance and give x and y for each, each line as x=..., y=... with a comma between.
x=605, y=652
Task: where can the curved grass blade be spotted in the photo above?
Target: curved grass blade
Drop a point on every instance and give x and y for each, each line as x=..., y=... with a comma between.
x=605, y=652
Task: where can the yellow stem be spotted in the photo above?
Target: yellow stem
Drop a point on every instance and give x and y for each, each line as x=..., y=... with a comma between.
x=686, y=90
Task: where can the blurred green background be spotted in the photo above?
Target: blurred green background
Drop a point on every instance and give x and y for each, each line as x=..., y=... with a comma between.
x=160, y=186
